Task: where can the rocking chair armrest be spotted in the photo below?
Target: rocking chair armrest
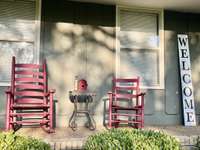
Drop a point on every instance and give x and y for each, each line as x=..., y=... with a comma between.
x=110, y=92
x=142, y=98
x=141, y=94
x=51, y=91
x=110, y=98
x=8, y=91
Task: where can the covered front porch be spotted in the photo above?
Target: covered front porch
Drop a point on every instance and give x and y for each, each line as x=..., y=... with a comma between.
x=82, y=38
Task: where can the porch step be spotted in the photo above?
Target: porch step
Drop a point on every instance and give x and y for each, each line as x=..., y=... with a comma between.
x=68, y=144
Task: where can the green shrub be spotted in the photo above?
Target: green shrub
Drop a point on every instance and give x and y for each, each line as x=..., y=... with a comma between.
x=12, y=141
x=131, y=139
x=198, y=142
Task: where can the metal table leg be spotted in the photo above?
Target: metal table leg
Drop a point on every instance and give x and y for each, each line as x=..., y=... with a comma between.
x=72, y=121
x=91, y=124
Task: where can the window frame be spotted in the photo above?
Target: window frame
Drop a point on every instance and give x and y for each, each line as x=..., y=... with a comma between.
x=160, y=13
x=36, y=48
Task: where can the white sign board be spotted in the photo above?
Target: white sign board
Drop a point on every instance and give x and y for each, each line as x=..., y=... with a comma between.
x=186, y=81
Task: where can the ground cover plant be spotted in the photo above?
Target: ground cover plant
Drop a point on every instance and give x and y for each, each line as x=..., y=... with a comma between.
x=131, y=139
x=12, y=141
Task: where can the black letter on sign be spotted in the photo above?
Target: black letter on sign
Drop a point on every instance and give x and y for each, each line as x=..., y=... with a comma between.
x=190, y=117
x=187, y=91
x=182, y=41
x=184, y=53
x=186, y=78
x=188, y=104
x=184, y=65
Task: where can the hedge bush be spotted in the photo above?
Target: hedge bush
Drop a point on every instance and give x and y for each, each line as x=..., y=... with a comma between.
x=197, y=143
x=131, y=139
x=12, y=141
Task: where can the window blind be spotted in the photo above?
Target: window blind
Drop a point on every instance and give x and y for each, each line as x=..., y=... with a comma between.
x=17, y=38
x=139, y=46
x=138, y=29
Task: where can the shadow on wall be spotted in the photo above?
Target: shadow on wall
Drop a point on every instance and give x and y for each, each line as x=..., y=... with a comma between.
x=78, y=39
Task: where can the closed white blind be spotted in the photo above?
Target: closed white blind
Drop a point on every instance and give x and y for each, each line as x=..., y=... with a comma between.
x=17, y=34
x=139, y=46
x=138, y=29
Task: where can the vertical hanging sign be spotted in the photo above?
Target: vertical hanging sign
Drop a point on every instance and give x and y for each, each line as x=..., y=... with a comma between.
x=186, y=81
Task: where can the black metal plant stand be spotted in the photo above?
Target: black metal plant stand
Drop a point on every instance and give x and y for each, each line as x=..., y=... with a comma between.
x=81, y=97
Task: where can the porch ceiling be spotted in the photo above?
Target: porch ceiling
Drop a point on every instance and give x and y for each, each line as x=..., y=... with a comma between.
x=177, y=5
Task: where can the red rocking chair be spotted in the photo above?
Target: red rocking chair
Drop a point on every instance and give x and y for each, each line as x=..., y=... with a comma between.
x=126, y=103
x=29, y=102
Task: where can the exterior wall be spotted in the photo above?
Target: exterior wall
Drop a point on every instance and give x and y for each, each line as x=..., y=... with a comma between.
x=78, y=39
x=84, y=25
x=194, y=32
x=169, y=100
x=180, y=23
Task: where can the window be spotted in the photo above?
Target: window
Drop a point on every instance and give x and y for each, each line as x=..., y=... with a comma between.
x=140, y=46
x=19, y=34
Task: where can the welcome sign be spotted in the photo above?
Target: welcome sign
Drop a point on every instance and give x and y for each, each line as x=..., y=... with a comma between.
x=186, y=81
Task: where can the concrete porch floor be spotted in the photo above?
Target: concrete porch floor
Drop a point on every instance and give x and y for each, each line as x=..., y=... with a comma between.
x=65, y=138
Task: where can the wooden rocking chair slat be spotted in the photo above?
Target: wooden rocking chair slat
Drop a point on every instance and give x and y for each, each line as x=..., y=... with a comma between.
x=29, y=93
x=125, y=96
x=128, y=115
x=128, y=80
x=28, y=72
x=126, y=108
x=30, y=122
x=125, y=88
x=29, y=86
x=126, y=121
x=33, y=106
x=37, y=80
x=29, y=66
x=29, y=100
x=30, y=114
